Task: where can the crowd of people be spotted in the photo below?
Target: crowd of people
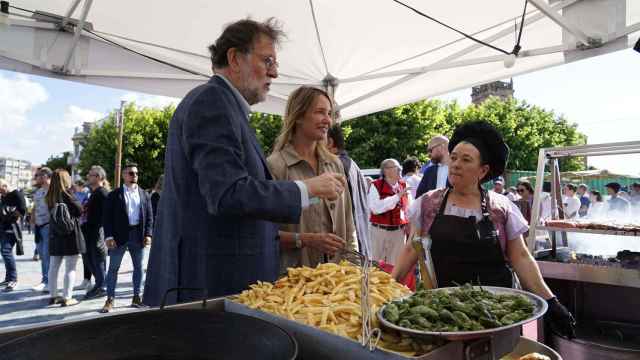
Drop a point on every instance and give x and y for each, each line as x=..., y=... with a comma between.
x=578, y=201
x=82, y=220
x=230, y=216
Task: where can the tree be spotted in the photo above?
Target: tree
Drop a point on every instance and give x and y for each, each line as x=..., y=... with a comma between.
x=144, y=142
x=59, y=161
x=527, y=128
x=398, y=133
x=406, y=130
x=267, y=128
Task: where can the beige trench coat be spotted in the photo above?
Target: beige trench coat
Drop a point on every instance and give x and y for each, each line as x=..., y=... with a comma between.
x=324, y=217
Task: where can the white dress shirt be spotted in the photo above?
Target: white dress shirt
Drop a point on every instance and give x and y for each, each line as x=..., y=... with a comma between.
x=132, y=200
x=381, y=206
x=571, y=206
x=443, y=174
x=413, y=181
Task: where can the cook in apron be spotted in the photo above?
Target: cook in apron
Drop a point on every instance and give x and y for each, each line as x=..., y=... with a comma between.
x=466, y=251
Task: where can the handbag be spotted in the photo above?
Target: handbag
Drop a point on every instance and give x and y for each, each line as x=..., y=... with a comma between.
x=81, y=244
x=19, y=247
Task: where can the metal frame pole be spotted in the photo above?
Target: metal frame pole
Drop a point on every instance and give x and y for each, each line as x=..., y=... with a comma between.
x=72, y=8
x=120, y=127
x=561, y=21
x=76, y=35
x=535, y=212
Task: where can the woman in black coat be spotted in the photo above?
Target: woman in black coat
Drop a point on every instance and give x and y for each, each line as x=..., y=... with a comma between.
x=63, y=245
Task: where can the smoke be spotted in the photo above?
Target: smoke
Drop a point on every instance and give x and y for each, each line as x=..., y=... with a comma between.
x=607, y=245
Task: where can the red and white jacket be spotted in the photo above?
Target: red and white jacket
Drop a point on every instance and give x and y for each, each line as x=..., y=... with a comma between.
x=396, y=215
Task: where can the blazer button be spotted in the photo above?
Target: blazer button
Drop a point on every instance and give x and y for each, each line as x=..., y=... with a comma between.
x=332, y=206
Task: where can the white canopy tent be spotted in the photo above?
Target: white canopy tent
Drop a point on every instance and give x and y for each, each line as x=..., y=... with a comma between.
x=372, y=54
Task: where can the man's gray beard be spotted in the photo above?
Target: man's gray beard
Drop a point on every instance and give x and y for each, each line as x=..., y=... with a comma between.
x=251, y=96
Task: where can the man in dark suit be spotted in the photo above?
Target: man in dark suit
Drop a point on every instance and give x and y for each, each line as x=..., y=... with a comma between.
x=93, y=231
x=435, y=176
x=128, y=222
x=217, y=218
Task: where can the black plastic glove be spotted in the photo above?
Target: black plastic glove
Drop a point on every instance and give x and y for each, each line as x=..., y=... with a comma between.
x=561, y=319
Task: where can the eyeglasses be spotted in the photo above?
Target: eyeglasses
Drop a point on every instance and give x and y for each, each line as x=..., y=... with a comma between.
x=133, y=173
x=520, y=191
x=269, y=62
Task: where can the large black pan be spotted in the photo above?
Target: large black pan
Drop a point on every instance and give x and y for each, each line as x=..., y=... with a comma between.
x=166, y=334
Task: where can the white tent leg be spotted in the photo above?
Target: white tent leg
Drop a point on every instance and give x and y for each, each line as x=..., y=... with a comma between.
x=78, y=32
x=562, y=22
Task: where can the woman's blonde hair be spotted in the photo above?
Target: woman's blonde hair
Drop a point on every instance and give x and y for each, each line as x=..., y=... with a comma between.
x=60, y=184
x=299, y=102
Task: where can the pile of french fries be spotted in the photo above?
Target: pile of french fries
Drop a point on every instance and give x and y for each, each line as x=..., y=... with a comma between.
x=328, y=297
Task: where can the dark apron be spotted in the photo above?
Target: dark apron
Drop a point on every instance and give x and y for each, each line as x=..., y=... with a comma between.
x=464, y=251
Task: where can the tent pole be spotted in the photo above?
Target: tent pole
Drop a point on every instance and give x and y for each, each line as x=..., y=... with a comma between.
x=561, y=21
x=120, y=127
x=330, y=85
x=78, y=32
x=460, y=63
x=70, y=11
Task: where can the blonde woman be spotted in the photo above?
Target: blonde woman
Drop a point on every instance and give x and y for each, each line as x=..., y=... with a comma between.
x=65, y=247
x=301, y=153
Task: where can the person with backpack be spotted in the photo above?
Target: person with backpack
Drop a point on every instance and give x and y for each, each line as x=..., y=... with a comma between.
x=65, y=239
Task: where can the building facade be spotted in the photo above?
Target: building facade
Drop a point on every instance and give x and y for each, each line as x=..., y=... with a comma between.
x=501, y=89
x=16, y=172
x=79, y=140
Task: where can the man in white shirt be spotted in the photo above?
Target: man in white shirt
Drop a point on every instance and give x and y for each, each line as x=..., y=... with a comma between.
x=570, y=202
x=435, y=176
x=389, y=199
x=128, y=225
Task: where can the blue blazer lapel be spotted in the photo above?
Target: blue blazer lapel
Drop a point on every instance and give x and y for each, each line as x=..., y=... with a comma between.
x=432, y=176
x=142, y=206
x=123, y=202
x=250, y=130
x=258, y=149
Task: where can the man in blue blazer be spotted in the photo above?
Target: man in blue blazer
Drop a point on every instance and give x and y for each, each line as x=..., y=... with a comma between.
x=435, y=176
x=128, y=223
x=217, y=218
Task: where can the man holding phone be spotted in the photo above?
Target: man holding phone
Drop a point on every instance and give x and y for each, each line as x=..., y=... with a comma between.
x=389, y=199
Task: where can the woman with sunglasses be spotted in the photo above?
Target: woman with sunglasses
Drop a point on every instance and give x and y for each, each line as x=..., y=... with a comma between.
x=525, y=202
x=476, y=235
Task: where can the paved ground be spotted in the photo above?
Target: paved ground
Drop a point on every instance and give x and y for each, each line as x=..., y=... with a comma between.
x=27, y=307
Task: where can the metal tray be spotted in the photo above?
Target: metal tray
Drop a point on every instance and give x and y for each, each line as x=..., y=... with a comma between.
x=527, y=346
x=540, y=307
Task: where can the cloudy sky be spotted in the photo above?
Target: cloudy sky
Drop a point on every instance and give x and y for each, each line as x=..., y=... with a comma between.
x=602, y=95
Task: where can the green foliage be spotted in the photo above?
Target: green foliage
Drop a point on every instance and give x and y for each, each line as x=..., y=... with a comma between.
x=144, y=141
x=267, y=128
x=59, y=161
x=526, y=129
x=398, y=133
x=406, y=130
